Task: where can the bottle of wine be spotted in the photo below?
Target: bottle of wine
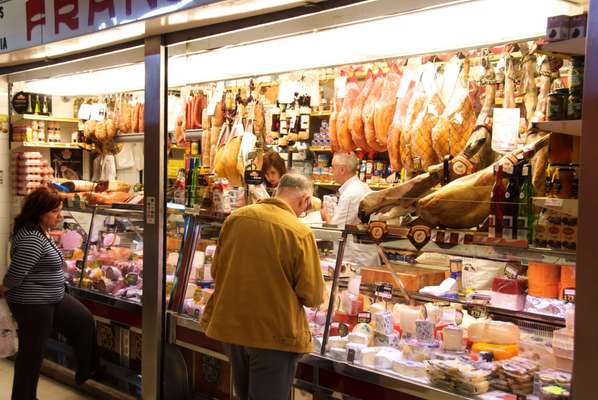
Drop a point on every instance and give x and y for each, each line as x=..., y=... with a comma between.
x=45, y=105
x=275, y=120
x=29, y=105
x=525, y=220
x=37, y=105
x=511, y=205
x=497, y=198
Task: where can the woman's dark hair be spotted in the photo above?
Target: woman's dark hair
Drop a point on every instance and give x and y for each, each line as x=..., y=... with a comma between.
x=37, y=203
x=274, y=160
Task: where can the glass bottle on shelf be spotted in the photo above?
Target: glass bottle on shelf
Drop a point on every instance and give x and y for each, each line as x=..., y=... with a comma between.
x=29, y=105
x=525, y=218
x=283, y=120
x=45, y=105
x=275, y=128
x=511, y=205
x=37, y=105
x=305, y=113
x=497, y=198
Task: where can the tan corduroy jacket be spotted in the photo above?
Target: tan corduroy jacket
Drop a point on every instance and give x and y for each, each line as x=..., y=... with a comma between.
x=266, y=268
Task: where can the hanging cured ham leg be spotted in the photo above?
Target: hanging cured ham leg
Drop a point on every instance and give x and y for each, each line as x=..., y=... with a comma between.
x=385, y=107
x=356, y=121
x=342, y=120
x=368, y=113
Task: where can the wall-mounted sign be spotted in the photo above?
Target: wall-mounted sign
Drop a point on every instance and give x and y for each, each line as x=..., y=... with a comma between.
x=29, y=23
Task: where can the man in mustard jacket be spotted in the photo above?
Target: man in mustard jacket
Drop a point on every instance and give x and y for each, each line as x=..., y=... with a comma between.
x=266, y=268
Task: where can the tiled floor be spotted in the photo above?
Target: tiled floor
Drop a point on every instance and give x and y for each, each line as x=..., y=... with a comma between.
x=47, y=389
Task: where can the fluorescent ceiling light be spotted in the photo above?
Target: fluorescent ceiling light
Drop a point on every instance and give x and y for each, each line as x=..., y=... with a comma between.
x=463, y=25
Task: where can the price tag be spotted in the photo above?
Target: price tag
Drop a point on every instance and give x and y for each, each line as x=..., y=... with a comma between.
x=505, y=129
x=364, y=317
x=84, y=111
x=384, y=290
x=569, y=295
x=405, y=83
x=340, y=86
x=554, y=202
x=351, y=356
x=98, y=111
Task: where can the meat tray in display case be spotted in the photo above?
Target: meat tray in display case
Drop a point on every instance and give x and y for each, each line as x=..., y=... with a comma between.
x=114, y=256
x=71, y=238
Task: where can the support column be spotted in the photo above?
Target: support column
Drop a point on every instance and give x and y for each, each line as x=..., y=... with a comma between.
x=585, y=360
x=155, y=208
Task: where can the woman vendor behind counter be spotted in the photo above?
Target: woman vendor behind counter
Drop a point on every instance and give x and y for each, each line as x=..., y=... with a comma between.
x=273, y=169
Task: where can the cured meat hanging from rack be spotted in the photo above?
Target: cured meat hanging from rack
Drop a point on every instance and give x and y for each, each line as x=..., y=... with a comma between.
x=456, y=123
x=398, y=121
x=529, y=86
x=141, y=125
x=465, y=202
x=385, y=107
x=332, y=127
x=368, y=113
x=135, y=118
x=342, y=119
x=356, y=121
x=421, y=130
x=124, y=122
x=415, y=106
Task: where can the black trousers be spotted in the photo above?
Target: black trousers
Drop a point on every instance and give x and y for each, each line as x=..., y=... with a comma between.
x=35, y=324
x=260, y=374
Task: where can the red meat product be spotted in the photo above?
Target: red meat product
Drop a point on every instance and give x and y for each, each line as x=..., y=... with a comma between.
x=342, y=120
x=356, y=121
x=368, y=114
x=385, y=107
x=398, y=123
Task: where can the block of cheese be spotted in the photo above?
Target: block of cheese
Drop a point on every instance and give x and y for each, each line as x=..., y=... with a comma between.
x=338, y=353
x=407, y=318
x=411, y=369
x=496, y=332
x=424, y=330
x=500, y=351
x=368, y=356
x=358, y=337
x=392, y=340
x=337, y=341
x=384, y=322
x=357, y=348
x=385, y=358
x=363, y=328
x=377, y=307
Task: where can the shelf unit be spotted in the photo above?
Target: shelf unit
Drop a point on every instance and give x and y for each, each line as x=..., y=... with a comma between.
x=49, y=118
x=567, y=127
x=45, y=145
x=566, y=48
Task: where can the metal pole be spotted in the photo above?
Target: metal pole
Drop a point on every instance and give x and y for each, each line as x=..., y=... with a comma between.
x=155, y=217
x=337, y=269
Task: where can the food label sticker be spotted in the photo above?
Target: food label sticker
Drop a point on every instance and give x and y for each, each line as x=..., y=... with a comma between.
x=364, y=317
x=505, y=129
x=98, y=111
x=84, y=112
x=554, y=202
x=384, y=290
x=405, y=83
x=569, y=295
x=340, y=86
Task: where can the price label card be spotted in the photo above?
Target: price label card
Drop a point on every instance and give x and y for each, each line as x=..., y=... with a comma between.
x=98, y=111
x=569, y=295
x=505, y=129
x=554, y=202
x=384, y=290
x=340, y=86
x=84, y=112
x=364, y=317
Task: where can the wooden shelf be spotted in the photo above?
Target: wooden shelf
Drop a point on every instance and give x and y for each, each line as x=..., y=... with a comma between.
x=567, y=127
x=320, y=149
x=37, y=117
x=566, y=48
x=565, y=206
x=44, y=145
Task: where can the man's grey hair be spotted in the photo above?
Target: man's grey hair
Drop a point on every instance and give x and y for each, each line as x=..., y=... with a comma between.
x=348, y=160
x=296, y=182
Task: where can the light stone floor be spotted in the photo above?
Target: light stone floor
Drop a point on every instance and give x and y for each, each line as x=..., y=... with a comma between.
x=47, y=389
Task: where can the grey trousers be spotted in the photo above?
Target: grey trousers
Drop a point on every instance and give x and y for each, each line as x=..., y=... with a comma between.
x=260, y=374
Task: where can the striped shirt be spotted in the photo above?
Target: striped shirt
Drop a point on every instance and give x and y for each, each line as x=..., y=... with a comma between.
x=35, y=274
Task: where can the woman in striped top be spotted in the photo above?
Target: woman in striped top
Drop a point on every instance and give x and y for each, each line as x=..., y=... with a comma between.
x=34, y=287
